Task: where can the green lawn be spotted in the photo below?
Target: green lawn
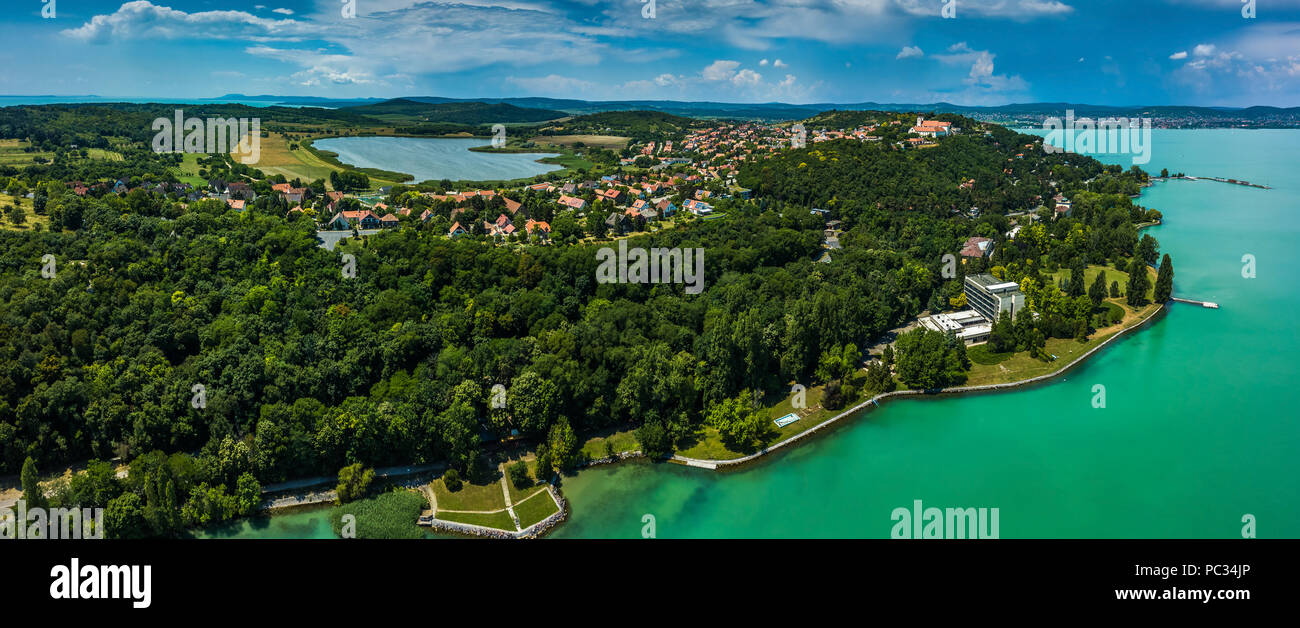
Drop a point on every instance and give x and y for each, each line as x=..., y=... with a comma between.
x=982, y=354
x=469, y=497
x=595, y=447
x=1090, y=274
x=539, y=507
x=499, y=520
x=1020, y=366
x=517, y=495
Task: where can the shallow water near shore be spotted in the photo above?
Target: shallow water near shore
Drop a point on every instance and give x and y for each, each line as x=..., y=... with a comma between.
x=1198, y=430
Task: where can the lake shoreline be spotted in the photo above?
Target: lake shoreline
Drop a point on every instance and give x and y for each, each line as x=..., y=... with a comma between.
x=544, y=164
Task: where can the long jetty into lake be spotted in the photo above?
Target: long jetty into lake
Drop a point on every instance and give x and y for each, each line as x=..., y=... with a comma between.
x=1210, y=304
x=1220, y=180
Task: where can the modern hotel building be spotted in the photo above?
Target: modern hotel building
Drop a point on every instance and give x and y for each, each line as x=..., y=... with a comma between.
x=991, y=296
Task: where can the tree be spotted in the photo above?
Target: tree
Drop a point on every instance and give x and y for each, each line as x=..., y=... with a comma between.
x=1164, y=280
x=654, y=439
x=32, y=493
x=929, y=359
x=545, y=467
x=124, y=518
x=563, y=444
x=1148, y=250
x=519, y=475
x=1097, y=293
x=1114, y=289
x=1138, y=283
x=879, y=379
x=451, y=479
x=1002, y=337
x=1076, y=278
x=354, y=480
x=248, y=494
x=16, y=214
x=533, y=401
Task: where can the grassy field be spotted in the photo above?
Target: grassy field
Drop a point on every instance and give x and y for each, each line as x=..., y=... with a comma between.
x=11, y=153
x=32, y=218
x=276, y=158
x=616, y=142
x=1019, y=366
x=518, y=495
x=539, y=507
x=1090, y=274
x=620, y=442
x=499, y=520
x=188, y=171
x=469, y=497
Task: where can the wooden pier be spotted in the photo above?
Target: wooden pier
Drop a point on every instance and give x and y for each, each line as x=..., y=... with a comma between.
x=1209, y=304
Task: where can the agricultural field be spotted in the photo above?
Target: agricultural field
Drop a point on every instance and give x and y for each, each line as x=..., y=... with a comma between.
x=12, y=153
x=613, y=142
x=276, y=158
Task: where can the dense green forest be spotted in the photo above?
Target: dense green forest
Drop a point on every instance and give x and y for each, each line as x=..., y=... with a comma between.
x=641, y=126
x=220, y=349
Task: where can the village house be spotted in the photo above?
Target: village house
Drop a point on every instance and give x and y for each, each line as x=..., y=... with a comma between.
x=573, y=202
x=976, y=248
x=538, y=228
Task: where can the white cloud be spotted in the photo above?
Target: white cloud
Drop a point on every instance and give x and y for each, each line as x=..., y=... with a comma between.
x=1181, y=54
x=909, y=52
x=981, y=76
x=780, y=64
x=1256, y=63
x=720, y=70
x=763, y=62
x=283, y=11
x=747, y=77
x=142, y=19
x=1020, y=10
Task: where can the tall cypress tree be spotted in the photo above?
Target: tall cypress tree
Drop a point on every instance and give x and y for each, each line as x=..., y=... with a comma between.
x=1098, y=290
x=1137, y=282
x=1076, y=278
x=1165, y=280
x=32, y=493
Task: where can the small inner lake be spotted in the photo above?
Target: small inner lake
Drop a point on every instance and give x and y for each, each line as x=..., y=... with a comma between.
x=428, y=158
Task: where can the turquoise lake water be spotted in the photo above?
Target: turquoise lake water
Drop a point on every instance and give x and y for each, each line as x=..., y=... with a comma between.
x=428, y=158
x=1200, y=424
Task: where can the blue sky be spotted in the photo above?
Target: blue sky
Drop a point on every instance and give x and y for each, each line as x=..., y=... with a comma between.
x=1123, y=52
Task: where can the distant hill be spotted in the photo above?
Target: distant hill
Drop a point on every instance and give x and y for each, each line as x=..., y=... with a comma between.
x=478, y=111
x=638, y=125
x=472, y=112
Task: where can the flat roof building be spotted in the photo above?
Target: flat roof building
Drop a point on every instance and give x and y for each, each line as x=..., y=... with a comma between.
x=991, y=296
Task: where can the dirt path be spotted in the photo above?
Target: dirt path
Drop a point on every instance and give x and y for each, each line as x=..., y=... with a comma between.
x=505, y=490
